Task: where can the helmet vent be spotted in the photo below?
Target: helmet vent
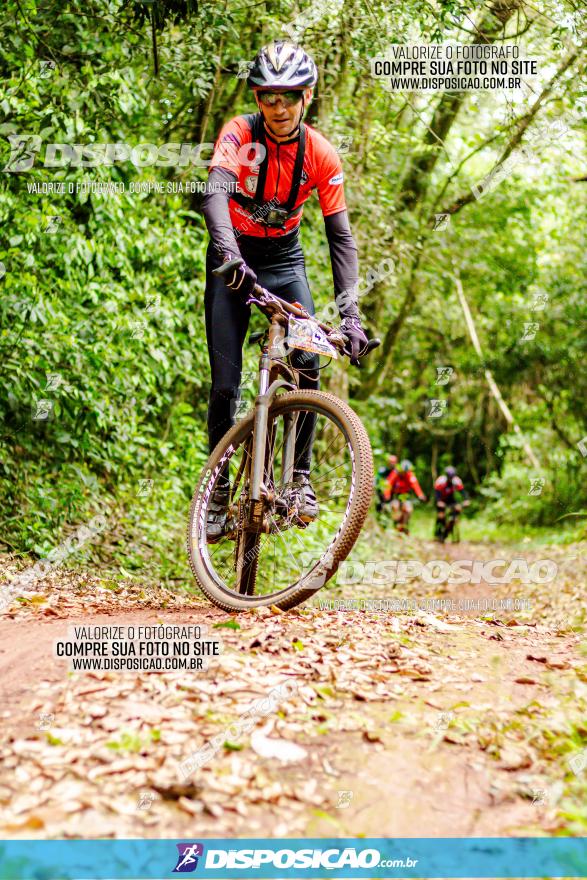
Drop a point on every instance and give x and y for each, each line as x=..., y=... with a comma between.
x=279, y=54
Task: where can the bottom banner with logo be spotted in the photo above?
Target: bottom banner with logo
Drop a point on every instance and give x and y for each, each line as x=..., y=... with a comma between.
x=317, y=857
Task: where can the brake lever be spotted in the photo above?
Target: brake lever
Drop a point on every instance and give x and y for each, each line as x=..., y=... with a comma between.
x=371, y=344
x=253, y=300
x=263, y=297
x=337, y=338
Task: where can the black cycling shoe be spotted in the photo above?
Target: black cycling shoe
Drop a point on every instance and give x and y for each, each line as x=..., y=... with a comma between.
x=217, y=515
x=308, y=505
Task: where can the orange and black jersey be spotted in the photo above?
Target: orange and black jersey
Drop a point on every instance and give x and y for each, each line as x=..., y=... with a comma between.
x=321, y=171
x=234, y=210
x=402, y=483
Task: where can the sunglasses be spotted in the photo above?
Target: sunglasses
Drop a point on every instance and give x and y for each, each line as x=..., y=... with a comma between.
x=288, y=98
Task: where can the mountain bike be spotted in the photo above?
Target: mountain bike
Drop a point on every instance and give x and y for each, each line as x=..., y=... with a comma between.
x=448, y=526
x=268, y=554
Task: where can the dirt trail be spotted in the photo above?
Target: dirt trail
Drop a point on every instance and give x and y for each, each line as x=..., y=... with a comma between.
x=412, y=724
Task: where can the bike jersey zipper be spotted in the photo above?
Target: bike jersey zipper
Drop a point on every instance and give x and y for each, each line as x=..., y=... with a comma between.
x=276, y=186
x=278, y=159
x=278, y=173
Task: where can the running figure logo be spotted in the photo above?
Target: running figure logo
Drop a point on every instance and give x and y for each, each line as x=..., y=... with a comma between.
x=187, y=860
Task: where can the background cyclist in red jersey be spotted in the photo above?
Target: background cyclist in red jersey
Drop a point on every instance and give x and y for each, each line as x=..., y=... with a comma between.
x=253, y=207
x=400, y=484
x=444, y=492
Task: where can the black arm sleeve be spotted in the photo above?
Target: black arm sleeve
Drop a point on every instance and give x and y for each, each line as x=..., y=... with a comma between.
x=216, y=214
x=345, y=265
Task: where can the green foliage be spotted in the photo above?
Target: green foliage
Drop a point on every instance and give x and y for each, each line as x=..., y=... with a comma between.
x=512, y=500
x=132, y=741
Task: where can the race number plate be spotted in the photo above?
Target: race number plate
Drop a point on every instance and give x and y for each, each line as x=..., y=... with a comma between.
x=308, y=335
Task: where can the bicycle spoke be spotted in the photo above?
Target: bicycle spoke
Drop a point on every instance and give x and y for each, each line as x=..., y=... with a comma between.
x=327, y=452
x=281, y=535
x=316, y=481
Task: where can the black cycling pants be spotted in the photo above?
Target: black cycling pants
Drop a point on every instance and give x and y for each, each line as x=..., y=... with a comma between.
x=279, y=266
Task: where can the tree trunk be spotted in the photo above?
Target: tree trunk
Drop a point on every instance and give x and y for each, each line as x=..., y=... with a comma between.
x=416, y=180
x=471, y=460
x=211, y=95
x=434, y=461
x=493, y=387
x=373, y=379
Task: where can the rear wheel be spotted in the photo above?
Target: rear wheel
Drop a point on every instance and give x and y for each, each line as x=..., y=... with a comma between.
x=270, y=554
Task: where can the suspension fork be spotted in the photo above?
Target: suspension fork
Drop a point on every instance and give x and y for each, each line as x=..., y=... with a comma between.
x=289, y=444
x=262, y=404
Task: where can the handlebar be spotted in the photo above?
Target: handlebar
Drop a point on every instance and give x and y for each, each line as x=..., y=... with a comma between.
x=272, y=304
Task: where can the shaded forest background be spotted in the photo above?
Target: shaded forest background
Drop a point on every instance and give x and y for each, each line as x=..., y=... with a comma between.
x=109, y=298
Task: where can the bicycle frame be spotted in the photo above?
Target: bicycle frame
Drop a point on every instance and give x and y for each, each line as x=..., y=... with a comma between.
x=269, y=367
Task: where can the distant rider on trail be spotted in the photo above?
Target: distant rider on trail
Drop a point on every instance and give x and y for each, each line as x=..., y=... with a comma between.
x=445, y=489
x=399, y=485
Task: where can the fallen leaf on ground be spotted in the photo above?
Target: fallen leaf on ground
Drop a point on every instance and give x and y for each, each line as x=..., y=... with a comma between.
x=194, y=808
x=371, y=736
x=282, y=749
x=558, y=663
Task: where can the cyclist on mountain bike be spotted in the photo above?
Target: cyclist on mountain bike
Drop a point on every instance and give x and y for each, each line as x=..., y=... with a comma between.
x=380, y=478
x=445, y=488
x=400, y=484
x=253, y=208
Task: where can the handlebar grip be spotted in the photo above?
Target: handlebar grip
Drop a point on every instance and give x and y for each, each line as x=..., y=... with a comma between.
x=227, y=267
